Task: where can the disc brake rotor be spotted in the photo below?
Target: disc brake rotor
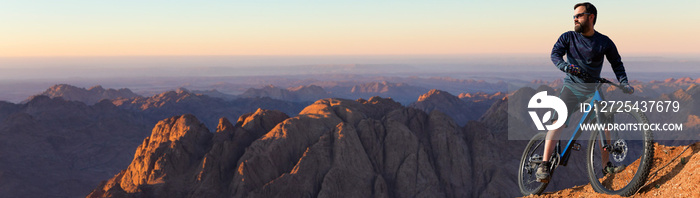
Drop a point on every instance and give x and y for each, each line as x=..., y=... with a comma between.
x=620, y=150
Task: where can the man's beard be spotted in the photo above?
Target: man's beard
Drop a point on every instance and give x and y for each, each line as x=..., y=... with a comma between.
x=580, y=28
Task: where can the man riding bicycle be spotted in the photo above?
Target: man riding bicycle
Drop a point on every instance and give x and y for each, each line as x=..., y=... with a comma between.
x=584, y=49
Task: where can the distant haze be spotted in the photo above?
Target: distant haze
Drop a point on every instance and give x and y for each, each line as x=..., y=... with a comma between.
x=45, y=68
x=21, y=77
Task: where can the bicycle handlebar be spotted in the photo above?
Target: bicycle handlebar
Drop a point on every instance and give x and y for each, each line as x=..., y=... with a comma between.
x=585, y=75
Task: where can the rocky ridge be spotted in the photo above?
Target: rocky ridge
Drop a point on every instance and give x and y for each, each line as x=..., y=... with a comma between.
x=400, y=92
x=207, y=109
x=461, y=111
x=88, y=96
x=333, y=147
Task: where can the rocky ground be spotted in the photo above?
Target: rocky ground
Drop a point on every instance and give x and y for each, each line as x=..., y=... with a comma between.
x=674, y=173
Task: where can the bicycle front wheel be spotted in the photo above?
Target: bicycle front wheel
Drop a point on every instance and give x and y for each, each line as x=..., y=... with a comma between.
x=621, y=168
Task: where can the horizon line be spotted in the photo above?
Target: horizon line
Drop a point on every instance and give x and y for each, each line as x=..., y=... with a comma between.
x=634, y=55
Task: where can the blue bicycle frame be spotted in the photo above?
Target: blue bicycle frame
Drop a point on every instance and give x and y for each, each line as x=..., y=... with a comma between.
x=564, y=155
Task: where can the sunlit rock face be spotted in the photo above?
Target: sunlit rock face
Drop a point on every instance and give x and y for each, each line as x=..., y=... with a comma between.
x=333, y=148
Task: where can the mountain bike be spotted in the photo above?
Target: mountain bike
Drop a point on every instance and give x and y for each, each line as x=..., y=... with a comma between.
x=633, y=149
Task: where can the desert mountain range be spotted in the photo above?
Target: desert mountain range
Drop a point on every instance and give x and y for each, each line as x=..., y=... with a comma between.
x=361, y=148
x=113, y=127
x=62, y=145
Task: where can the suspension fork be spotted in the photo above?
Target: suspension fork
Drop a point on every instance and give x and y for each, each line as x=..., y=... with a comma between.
x=601, y=134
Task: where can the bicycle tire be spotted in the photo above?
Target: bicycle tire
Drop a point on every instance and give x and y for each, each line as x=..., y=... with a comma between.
x=527, y=170
x=608, y=183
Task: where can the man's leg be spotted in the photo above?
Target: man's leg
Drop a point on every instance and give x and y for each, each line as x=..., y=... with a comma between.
x=571, y=101
x=549, y=143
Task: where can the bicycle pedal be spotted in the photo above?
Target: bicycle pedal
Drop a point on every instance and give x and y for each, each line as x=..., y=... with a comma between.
x=576, y=146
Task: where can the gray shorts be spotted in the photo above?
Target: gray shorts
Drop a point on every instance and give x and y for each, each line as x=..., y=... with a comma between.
x=572, y=98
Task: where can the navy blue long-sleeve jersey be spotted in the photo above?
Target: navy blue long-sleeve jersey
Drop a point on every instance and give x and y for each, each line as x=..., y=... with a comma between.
x=587, y=52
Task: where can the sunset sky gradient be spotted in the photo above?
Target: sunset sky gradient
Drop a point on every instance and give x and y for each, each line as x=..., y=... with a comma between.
x=157, y=28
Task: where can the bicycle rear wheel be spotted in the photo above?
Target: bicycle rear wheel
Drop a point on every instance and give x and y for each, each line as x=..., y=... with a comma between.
x=531, y=158
x=631, y=148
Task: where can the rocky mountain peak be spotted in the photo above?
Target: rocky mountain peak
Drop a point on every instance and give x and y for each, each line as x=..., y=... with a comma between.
x=182, y=91
x=480, y=95
x=174, y=146
x=460, y=110
x=682, y=80
x=224, y=125
x=175, y=129
x=311, y=89
x=261, y=119
x=159, y=100
x=182, y=151
x=97, y=88
x=62, y=87
x=439, y=96
x=469, y=95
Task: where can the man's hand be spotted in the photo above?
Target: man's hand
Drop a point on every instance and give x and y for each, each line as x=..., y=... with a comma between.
x=573, y=69
x=627, y=88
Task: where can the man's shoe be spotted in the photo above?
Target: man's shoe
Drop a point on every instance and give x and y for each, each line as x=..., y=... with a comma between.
x=543, y=172
x=610, y=168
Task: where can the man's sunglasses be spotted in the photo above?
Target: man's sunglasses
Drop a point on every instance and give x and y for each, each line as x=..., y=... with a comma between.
x=579, y=15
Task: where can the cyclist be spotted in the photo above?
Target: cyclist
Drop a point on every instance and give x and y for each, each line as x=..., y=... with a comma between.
x=584, y=49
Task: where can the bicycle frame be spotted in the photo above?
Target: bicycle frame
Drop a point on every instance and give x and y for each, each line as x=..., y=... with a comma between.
x=564, y=155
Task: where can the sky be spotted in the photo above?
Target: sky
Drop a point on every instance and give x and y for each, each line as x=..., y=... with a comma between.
x=203, y=28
